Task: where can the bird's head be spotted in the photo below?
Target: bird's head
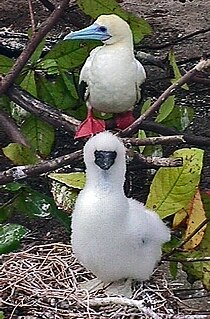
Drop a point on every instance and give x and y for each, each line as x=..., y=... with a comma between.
x=104, y=152
x=109, y=29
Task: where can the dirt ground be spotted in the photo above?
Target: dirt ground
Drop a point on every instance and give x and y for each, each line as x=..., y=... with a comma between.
x=171, y=21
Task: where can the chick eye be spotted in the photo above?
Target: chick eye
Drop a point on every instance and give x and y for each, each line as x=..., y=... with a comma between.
x=103, y=29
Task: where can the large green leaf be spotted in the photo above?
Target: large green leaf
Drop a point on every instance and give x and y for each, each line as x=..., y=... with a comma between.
x=70, y=54
x=20, y=154
x=179, y=118
x=66, y=187
x=165, y=109
x=74, y=180
x=60, y=92
x=28, y=83
x=37, y=53
x=177, y=73
x=39, y=134
x=5, y=64
x=173, y=188
x=94, y=8
x=10, y=236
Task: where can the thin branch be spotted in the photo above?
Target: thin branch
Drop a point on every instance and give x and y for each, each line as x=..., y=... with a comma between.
x=31, y=47
x=183, y=242
x=169, y=91
x=189, y=260
x=43, y=110
x=12, y=131
x=155, y=162
x=97, y=302
x=158, y=140
x=22, y=172
x=33, y=26
x=49, y=5
x=176, y=40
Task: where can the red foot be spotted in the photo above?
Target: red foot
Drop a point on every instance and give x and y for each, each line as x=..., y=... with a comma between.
x=90, y=126
x=124, y=120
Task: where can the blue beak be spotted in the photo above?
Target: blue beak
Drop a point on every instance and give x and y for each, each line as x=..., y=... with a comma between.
x=93, y=32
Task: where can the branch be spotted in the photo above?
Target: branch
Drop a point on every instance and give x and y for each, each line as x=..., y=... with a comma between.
x=45, y=111
x=97, y=302
x=12, y=131
x=156, y=105
x=155, y=162
x=31, y=47
x=183, y=242
x=163, y=140
x=22, y=172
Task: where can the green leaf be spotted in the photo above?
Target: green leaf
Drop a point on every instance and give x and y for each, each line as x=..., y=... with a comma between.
x=173, y=188
x=141, y=134
x=146, y=105
x=39, y=134
x=66, y=187
x=13, y=187
x=173, y=269
x=29, y=84
x=5, y=64
x=1, y=315
x=94, y=8
x=70, y=54
x=10, y=236
x=64, y=196
x=49, y=66
x=165, y=109
x=59, y=92
x=37, y=53
x=177, y=73
x=73, y=180
x=179, y=118
x=20, y=154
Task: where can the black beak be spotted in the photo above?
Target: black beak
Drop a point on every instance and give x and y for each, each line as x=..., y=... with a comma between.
x=105, y=159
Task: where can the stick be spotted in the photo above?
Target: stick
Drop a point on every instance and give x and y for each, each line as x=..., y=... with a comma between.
x=31, y=47
x=169, y=91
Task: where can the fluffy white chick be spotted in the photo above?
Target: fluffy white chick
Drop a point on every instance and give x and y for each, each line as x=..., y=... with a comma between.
x=113, y=236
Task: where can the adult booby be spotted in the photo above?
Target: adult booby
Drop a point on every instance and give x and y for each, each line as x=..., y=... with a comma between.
x=113, y=236
x=111, y=77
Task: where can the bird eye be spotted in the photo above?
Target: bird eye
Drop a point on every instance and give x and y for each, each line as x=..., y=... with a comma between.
x=103, y=29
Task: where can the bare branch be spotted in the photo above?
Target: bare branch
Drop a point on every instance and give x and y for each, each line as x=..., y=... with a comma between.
x=33, y=26
x=12, y=131
x=22, y=172
x=155, y=162
x=169, y=91
x=43, y=110
x=31, y=46
x=163, y=140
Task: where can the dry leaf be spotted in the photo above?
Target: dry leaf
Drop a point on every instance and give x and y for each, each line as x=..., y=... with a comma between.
x=196, y=216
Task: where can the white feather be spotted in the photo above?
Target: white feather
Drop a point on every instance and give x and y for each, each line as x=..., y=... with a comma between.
x=113, y=236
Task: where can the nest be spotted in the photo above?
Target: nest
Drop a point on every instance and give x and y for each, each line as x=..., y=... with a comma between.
x=44, y=282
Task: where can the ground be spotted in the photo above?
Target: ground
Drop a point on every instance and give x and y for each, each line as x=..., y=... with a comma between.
x=171, y=22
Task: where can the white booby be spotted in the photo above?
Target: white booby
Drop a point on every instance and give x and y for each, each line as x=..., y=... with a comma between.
x=111, y=76
x=113, y=236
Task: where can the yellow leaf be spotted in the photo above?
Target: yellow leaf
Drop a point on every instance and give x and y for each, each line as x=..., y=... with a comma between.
x=179, y=218
x=196, y=215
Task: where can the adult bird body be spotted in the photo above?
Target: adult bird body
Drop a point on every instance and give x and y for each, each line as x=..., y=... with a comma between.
x=113, y=236
x=111, y=76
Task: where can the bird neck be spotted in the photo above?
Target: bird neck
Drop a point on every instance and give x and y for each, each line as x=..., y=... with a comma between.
x=106, y=181
x=125, y=44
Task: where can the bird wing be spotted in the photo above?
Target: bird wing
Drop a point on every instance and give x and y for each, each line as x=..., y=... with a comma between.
x=84, y=78
x=140, y=78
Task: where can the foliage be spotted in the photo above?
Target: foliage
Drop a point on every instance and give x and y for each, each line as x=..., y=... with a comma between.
x=53, y=78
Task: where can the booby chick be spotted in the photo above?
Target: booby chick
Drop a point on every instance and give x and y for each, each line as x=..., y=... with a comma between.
x=113, y=236
x=111, y=77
